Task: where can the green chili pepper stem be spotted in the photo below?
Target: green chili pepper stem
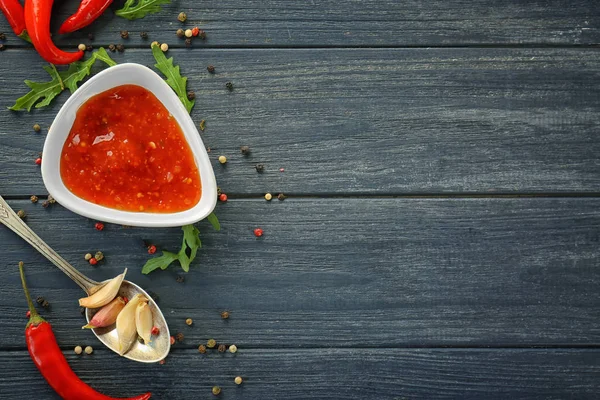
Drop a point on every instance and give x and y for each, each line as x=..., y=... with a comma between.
x=34, y=317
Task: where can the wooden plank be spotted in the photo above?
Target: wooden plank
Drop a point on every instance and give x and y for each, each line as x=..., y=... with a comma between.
x=328, y=374
x=343, y=272
x=353, y=23
x=368, y=120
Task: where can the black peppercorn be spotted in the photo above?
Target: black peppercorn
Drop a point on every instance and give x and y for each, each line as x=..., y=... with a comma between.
x=259, y=167
x=225, y=314
x=124, y=35
x=281, y=197
x=91, y=36
x=2, y=36
x=229, y=86
x=112, y=47
x=211, y=69
x=120, y=48
x=180, y=279
x=144, y=35
x=191, y=95
x=222, y=348
x=42, y=302
x=2, y=47
x=21, y=214
x=188, y=42
x=245, y=150
x=89, y=47
x=179, y=337
x=34, y=199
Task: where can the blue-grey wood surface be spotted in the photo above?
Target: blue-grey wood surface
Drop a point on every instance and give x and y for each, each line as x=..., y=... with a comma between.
x=440, y=238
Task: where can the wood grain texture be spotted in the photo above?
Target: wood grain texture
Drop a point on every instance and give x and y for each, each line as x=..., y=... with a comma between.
x=368, y=120
x=342, y=272
x=352, y=23
x=336, y=374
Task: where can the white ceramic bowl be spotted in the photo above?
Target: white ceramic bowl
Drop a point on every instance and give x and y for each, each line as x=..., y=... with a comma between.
x=126, y=74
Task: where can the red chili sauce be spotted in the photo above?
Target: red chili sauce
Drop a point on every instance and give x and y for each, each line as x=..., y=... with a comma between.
x=125, y=151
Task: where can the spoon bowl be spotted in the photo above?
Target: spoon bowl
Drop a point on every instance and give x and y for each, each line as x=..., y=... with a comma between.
x=152, y=352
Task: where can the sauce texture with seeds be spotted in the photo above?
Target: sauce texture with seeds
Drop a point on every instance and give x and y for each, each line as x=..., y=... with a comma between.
x=126, y=151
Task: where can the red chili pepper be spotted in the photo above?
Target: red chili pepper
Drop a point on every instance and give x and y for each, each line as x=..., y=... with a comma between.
x=88, y=12
x=49, y=359
x=37, y=21
x=13, y=11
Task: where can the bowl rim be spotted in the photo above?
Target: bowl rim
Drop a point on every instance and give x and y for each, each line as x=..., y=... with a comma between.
x=124, y=74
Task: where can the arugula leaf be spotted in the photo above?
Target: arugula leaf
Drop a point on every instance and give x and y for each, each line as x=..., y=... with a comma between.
x=76, y=73
x=214, y=221
x=161, y=262
x=69, y=79
x=185, y=256
x=103, y=56
x=140, y=9
x=174, y=78
x=40, y=90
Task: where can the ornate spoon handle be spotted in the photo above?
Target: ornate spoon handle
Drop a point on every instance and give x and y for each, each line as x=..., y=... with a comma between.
x=14, y=223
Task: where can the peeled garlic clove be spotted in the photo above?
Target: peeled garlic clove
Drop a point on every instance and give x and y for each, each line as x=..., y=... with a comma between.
x=126, y=324
x=143, y=321
x=107, y=315
x=105, y=295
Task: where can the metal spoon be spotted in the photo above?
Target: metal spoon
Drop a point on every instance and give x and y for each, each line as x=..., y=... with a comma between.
x=153, y=352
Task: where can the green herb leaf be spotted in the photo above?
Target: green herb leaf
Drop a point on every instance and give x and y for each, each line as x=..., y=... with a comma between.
x=76, y=73
x=140, y=9
x=214, y=221
x=174, y=78
x=103, y=56
x=42, y=93
x=40, y=90
x=185, y=256
x=161, y=262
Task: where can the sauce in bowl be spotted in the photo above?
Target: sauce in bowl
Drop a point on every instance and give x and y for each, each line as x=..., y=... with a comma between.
x=126, y=151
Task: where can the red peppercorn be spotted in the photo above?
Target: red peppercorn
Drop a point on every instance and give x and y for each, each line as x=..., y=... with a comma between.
x=258, y=232
x=162, y=362
x=172, y=339
x=155, y=331
x=151, y=249
x=28, y=314
x=99, y=226
x=223, y=197
x=38, y=161
x=93, y=261
x=125, y=299
x=195, y=31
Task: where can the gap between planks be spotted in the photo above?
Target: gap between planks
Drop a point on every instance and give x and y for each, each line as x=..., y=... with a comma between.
x=255, y=196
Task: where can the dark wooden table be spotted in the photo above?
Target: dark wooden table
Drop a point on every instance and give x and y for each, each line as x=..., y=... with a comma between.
x=441, y=231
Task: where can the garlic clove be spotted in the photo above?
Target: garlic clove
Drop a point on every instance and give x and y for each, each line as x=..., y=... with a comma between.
x=143, y=321
x=126, y=329
x=107, y=315
x=105, y=295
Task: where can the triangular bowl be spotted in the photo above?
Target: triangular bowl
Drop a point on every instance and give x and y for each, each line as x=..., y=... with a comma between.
x=126, y=74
